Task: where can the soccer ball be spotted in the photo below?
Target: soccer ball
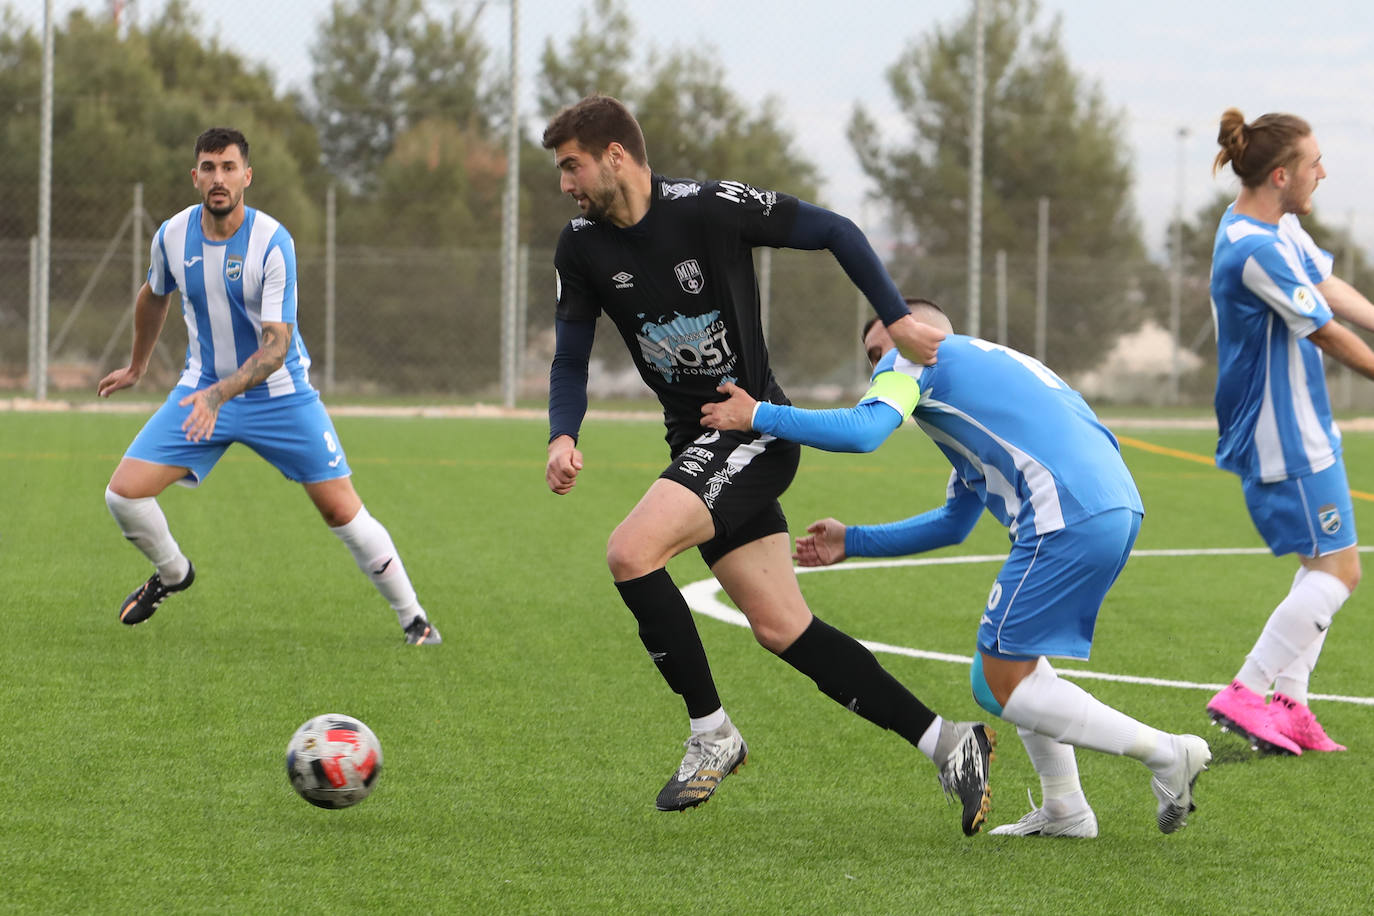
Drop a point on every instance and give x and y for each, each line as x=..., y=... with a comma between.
x=333, y=761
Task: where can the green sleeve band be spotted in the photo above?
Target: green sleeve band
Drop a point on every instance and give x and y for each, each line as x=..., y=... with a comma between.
x=897, y=389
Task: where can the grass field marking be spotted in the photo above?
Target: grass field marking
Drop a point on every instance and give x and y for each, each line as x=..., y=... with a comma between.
x=702, y=597
x=1201, y=459
x=1165, y=450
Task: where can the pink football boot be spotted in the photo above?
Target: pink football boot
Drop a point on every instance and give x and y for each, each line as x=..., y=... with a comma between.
x=1239, y=709
x=1295, y=720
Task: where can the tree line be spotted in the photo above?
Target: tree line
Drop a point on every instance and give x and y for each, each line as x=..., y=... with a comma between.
x=405, y=116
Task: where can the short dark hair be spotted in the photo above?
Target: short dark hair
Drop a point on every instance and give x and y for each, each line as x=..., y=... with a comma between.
x=218, y=138
x=911, y=303
x=596, y=122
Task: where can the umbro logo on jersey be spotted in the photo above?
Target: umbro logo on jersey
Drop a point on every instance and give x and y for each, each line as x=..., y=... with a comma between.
x=192, y=262
x=691, y=468
x=624, y=280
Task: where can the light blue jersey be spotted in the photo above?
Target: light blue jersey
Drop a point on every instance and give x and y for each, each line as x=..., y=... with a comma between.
x=228, y=290
x=1024, y=445
x=1021, y=439
x=1273, y=412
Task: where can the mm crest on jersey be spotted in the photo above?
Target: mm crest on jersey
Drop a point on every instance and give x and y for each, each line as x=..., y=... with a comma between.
x=233, y=268
x=689, y=276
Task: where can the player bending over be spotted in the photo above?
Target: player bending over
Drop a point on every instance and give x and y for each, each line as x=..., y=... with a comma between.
x=1027, y=448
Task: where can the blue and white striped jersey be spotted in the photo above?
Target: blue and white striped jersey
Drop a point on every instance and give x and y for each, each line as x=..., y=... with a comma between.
x=1020, y=438
x=1273, y=412
x=228, y=289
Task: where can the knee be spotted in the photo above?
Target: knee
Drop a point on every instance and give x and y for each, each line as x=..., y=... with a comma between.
x=774, y=639
x=1352, y=575
x=631, y=554
x=336, y=515
x=776, y=629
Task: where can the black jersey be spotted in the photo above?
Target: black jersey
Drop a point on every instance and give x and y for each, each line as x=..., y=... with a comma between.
x=681, y=289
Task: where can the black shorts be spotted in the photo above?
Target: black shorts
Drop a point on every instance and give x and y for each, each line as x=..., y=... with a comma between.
x=739, y=476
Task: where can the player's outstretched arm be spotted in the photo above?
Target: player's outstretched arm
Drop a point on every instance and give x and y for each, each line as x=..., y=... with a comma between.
x=1345, y=346
x=736, y=412
x=1347, y=302
x=822, y=545
x=565, y=461
x=816, y=227
x=150, y=313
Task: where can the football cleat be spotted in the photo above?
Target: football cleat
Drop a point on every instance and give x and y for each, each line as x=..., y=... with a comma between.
x=961, y=755
x=709, y=759
x=1239, y=709
x=420, y=632
x=1174, y=787
x=1039, y=822
x=143, y=601
x=1295, y=721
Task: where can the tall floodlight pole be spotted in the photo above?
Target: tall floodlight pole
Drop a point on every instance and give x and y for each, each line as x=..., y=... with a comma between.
x=1176, y=276
x=40, y=369
x=975, y=179
x=510, y=239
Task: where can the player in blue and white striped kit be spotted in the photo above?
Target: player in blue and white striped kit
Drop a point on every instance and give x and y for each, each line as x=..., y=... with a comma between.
x=246, y=379
x=1027, y=448
x=1274, y=298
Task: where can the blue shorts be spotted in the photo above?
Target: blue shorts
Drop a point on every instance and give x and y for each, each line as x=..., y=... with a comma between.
x=1048, y=592
x=1311, y=516
x=293, y=432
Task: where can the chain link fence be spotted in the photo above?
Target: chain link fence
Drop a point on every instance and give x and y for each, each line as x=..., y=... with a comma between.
x=410, y=320
x=425, y=323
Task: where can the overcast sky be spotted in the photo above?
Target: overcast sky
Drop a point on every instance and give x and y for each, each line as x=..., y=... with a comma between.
x=1166, y=65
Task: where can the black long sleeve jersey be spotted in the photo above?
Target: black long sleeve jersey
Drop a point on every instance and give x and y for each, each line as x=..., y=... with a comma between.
x=681, y=289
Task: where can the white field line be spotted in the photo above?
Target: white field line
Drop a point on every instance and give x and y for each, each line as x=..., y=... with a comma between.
x=703, y=597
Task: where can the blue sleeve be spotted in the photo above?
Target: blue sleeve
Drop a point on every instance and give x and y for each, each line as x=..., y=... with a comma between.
x=941, y=527
x=851, y=429
x=815, y=228
x=568, y=376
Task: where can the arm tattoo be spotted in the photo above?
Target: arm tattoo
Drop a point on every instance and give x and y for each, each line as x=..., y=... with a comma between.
x=255, y=369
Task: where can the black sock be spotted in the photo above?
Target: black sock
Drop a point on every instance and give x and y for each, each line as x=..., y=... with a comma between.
x=670, y=634
x=850, y=675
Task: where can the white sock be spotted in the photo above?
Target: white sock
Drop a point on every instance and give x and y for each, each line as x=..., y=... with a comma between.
x=1049, y=705
x=143, y=524
x=1060, y=791
x=709, y=722
x=1293, y=680
x=930, y=739
x=1299, y=619
x=376, y=556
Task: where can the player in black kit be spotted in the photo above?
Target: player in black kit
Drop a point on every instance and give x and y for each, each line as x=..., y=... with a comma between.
x=670, y=262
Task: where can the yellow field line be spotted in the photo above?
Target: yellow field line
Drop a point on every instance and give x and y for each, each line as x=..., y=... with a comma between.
x=1201, y=459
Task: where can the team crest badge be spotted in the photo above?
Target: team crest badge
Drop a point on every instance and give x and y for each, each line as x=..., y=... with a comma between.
x=1329, y=517
x=1304, y=300
x=689, y=276
x=233, y=268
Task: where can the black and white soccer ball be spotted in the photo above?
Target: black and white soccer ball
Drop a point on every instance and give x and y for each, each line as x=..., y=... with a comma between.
x=333, y=761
